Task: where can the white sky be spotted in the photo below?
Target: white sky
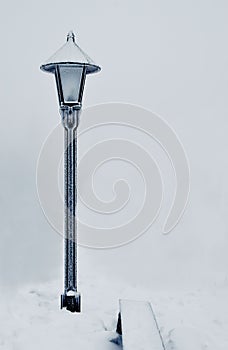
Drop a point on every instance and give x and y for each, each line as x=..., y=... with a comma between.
x=168, y=56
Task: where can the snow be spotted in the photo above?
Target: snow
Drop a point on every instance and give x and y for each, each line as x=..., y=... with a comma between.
x=139, y=327
x=189, y=320
x=32, y=320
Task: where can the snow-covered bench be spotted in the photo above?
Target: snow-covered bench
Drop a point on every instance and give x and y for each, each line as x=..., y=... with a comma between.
x=138, y=327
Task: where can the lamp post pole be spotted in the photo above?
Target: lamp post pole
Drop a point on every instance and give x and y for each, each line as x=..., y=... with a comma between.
x=71, y=298
x=70, y=65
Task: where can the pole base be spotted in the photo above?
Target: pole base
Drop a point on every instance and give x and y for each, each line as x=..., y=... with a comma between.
x=71, y=302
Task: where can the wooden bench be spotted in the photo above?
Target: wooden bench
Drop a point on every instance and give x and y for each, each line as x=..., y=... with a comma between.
x=137, y=326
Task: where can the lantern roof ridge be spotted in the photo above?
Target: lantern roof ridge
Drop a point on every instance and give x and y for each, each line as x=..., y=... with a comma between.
x=70, y=53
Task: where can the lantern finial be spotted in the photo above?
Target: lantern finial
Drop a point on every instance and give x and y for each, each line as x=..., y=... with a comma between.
x=71, y=36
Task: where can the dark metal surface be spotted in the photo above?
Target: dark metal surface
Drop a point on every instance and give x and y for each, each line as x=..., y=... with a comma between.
x=70, y=122
x=71, y=302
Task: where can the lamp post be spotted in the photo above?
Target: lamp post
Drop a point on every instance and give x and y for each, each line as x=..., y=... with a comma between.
x=70, y=65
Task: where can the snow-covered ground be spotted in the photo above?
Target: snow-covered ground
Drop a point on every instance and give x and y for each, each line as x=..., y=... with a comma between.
x=189, y=320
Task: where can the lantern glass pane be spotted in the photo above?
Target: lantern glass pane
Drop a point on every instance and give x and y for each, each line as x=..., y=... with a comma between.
x=71, y=79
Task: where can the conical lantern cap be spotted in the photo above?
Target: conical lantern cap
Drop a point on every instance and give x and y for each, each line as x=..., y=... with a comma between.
x=70, y=53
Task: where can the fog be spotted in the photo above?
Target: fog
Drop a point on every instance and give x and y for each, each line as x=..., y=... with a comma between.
x=168, y=57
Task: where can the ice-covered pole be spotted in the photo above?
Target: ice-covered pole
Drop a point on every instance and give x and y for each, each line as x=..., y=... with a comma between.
x=70, y=65
x=71, y=298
